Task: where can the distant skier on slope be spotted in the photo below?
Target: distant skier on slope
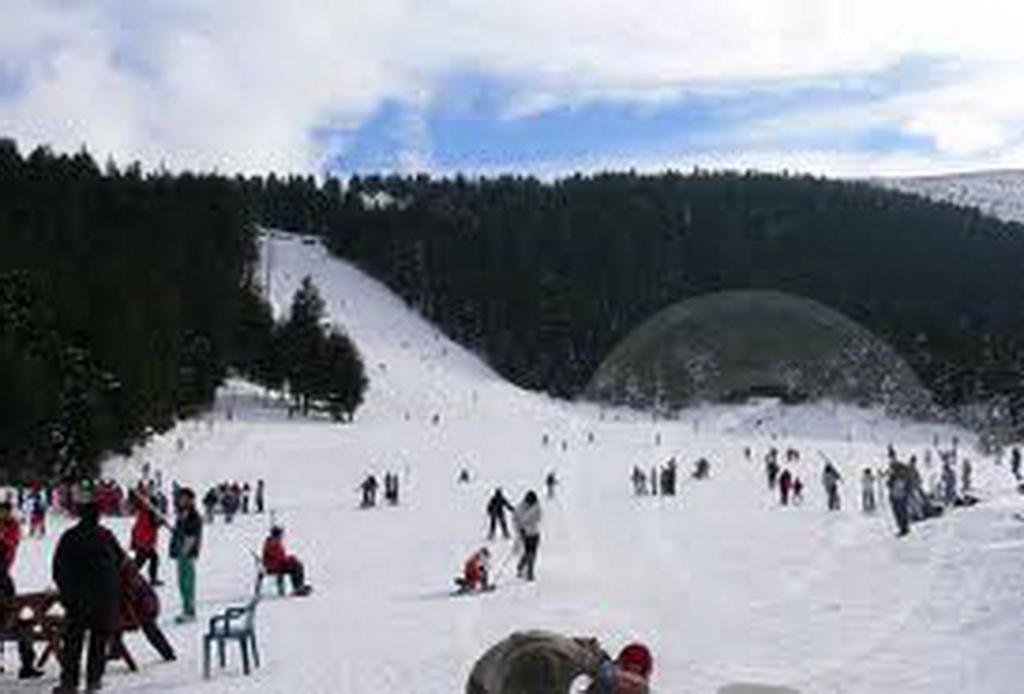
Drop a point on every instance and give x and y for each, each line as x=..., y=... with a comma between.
x=551, y=481
x=785, y=485
x=831, y=478
x=867, y=491
x=496, y=507
x=1015, y=463
x=369, y=489
x=526, y=518
x=771, y=467
x=899, y=494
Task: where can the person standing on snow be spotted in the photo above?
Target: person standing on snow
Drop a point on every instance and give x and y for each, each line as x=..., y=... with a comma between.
x=785, y=484
x=26, y=651
x=900, y=490
x=966, y=472
x=551, y=482
x=1015, y=463
x=948, y=482
x=867, y=491
x=86, y=569
x=144, y=535
x=527, y=522
x=831, y=478
x=186, y=539
x=496, y=508
x=771, y=468
x=259, y=496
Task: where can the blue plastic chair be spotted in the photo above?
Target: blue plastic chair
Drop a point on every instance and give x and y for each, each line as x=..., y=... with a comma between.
x=234, y=624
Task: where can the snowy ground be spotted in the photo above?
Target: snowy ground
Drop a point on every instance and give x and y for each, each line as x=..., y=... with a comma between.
x=722, y=583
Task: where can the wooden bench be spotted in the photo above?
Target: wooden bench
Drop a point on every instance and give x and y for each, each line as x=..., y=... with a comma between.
x=261, y=573
x=36, y=617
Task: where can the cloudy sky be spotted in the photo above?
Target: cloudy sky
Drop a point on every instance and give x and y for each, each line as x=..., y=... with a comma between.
x=550, y=87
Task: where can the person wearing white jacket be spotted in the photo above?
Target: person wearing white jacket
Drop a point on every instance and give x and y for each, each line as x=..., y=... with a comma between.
x=527, y=518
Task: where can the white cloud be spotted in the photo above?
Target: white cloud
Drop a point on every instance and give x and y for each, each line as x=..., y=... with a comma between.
x=241, y=84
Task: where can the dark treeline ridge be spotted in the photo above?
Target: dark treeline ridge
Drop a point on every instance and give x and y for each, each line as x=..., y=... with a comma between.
x=125, y=298
x=543, y=279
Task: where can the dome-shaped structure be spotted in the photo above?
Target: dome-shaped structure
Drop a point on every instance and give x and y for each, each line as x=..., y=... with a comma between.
x=732, y=345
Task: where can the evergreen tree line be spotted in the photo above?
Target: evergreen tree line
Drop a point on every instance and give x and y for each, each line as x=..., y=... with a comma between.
x=544, y=279
x=315, y=362
x=124, y=300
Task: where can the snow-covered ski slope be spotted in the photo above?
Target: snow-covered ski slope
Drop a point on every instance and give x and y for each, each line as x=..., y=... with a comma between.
x=997, y=193
x=721, y=582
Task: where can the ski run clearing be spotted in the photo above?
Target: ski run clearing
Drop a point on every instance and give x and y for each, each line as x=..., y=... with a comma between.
x=722, y=583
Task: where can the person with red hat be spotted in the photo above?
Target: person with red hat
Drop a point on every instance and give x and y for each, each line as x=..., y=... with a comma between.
x=629, y=673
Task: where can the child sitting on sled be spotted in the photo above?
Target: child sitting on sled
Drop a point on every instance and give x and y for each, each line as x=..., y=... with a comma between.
x=475, y=572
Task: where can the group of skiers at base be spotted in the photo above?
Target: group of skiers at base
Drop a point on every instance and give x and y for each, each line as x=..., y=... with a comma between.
x=541, y=662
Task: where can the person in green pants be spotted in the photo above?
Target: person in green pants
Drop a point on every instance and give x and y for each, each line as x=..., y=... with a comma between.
x=185, y=541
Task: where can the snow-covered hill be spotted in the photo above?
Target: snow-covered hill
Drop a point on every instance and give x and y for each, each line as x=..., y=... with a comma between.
x=724, y=584
x=997, y=193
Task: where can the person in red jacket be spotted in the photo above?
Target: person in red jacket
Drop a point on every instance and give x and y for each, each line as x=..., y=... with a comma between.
x=26, y=651
x=141, y=606
x=475, y=572
x=277, y=561
x=144, y=534
x=10, y=535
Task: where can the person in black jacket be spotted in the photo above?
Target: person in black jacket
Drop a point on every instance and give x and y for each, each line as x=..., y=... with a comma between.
x=185, y=541
x=86, y=571
x=496, y=508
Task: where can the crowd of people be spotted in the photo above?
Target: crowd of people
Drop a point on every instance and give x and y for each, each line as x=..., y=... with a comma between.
x=231, y=498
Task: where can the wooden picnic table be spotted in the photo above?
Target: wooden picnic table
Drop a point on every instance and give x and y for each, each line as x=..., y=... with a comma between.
x=35, y=616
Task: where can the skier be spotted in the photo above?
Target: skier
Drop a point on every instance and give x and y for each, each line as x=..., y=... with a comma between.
x=259, y=496
x=496, y=513
x=86, y=569
x=867, y=484
x=246, y=491
x=551, y=482
x=186, y=539
x=26, y=651
x=949, y=482
x=527, y=522
x=144, y=535
x=771, y=468
x=831, y=478
x=669, y=478
x=369, y=489
x=900, y=489
x=475, y=572
x=1015, y=462
x=639, y=481
x=210, y=501
x=798, y=491
x=785, y=485
x=277, y=561
x=701, y=469
x=463, y=476
x=966, y=473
